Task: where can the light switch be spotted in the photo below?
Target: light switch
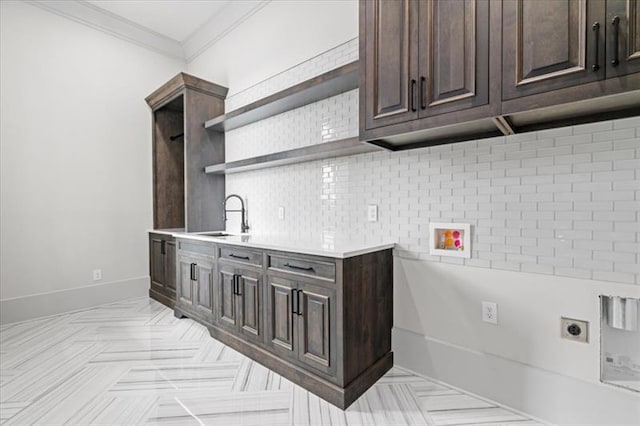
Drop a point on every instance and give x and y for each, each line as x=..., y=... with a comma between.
x=281, y=213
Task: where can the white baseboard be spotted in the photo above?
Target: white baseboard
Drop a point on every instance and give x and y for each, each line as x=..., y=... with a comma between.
x=550, y=396
x=24, y=308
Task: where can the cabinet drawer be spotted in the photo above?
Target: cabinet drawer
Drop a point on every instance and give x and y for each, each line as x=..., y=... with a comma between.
x=300, y=266
x=241, y=255
x=190, y=247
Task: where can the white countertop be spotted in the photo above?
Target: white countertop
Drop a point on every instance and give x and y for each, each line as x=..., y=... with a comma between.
x=169, y=231
x=327, y=247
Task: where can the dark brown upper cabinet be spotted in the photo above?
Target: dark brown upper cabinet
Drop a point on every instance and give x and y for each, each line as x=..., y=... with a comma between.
x=392, y=61
x=424, y=59
x=551, y=44
x=561, y=57
x=623, y=37
x=454, y=55
x=444, y=71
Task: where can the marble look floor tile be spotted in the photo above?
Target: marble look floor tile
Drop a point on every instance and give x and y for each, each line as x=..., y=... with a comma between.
x=452, y=402
x=10, y=409
x=31, y=384
x=252, y=376
x=133, y=362
x=478, y=415
x=158, y=352
x=60, y=404
x=245, y=408
x=115, y=410
x=167, y=379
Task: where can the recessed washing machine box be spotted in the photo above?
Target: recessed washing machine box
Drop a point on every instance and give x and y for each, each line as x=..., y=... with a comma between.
x=620, y=342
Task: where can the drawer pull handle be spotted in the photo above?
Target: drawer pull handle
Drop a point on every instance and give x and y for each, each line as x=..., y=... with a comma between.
x=235, y=256
x=616, y=35
x=596, y=29
x=301, y=268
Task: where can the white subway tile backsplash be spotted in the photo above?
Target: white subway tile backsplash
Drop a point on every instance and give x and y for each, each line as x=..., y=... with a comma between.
x=614, y=134
x=626, y=123
x=560, y=201
x=592, y=128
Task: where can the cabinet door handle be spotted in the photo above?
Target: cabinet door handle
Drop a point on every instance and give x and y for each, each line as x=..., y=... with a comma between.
x=298, y=302
x=423, y=104
x=301, y=268
x=235, y=256
x=192, y=272
x=596, y=30
x=163, y=247
x=413, y=95
x=616, y=36
x=294, y=301
x=238, y=285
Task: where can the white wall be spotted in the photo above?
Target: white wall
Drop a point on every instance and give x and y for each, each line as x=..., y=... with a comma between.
x=280, y=35
x=76, y=160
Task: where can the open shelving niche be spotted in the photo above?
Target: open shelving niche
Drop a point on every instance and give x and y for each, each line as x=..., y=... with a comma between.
x=331, y=83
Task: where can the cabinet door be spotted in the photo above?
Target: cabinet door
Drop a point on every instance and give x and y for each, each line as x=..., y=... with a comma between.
x=170, y=267
x=156, y=251
x=281, y=324
x=454, y=55
x=185, y=284
x=250, y=304
x=227, y=315
x=391, y=61
x=203, y=292
x=317, y=327
x=550, y=45
x=623, y=37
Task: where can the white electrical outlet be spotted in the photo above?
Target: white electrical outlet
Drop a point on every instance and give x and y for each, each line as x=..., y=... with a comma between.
x=573, y=329
x=490, y=312
x=97, y=274
x=281, y=213
x=372, y=213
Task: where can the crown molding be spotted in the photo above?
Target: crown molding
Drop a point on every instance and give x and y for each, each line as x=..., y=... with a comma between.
x=92, y=16
x=212, y=31
x=219, y=25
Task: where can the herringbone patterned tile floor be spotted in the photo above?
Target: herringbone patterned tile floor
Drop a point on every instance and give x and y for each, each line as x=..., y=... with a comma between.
x=134, y=363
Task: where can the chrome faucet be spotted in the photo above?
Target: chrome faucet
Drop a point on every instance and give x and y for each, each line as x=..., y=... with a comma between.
x=244, y=227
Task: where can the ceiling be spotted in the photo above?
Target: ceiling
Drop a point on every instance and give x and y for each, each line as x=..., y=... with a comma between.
x=180, y=29
x=175, y=19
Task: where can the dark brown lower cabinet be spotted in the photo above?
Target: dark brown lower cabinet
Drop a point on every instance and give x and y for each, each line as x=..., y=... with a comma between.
x=195, y=289
x=162, y=268
x=301, y=323
x=239, y=298
x=323, y=323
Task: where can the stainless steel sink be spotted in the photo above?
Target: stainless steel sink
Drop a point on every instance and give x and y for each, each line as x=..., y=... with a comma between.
x=214, y=234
